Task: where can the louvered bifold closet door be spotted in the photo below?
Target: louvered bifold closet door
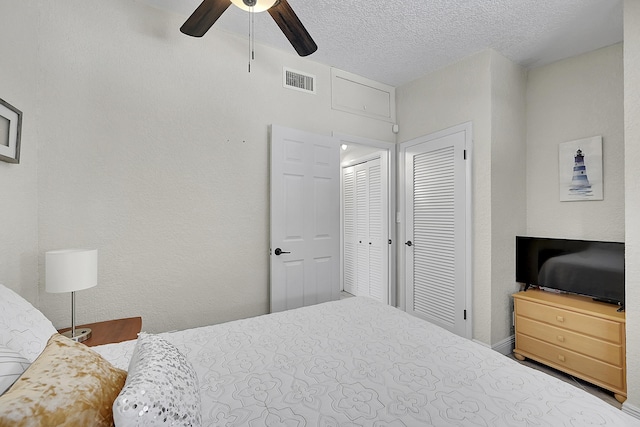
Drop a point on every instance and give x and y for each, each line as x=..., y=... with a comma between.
x=366, y=236
x=376, y=238
x=437, y=232
x=362, y=228
x=350, y=253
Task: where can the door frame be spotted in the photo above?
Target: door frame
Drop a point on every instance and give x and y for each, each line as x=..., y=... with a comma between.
x=466, y=127
x=391, y=149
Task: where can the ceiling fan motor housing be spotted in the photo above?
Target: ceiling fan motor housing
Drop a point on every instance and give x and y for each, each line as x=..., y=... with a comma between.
x=253, y=5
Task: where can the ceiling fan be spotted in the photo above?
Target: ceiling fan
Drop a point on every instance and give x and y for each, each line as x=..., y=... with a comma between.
x=210, y=10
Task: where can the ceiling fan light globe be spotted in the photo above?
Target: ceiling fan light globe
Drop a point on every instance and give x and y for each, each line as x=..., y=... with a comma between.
x=260, y=5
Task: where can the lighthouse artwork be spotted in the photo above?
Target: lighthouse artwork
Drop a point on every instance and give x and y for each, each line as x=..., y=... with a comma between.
x=580, y=181
x=580, y=164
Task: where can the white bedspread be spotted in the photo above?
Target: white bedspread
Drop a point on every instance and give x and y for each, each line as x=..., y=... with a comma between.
x=356, y=362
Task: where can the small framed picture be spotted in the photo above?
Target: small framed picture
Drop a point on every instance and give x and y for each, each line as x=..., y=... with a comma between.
x=10, y=129
x=580, y=167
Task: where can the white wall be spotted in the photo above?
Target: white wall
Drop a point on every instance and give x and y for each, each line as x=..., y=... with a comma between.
x=579, y=97
x=568, y=100
x=153, y=148
x=571, y=99
x=456, y=94
x=508, y=180
x=488, y=90
x=632, y=196
x=19, y=182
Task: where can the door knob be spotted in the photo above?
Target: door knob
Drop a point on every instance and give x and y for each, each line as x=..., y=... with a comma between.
x=409, y=243
x=279, y=251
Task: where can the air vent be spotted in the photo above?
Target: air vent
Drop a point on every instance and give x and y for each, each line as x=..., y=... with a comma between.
x=297, y=80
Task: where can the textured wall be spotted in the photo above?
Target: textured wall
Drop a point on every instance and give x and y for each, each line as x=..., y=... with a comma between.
x=456, y=94
x=488, y=90
x=632, y=194
x=573, y=99
x=19, y=202
x=508, y=181
x=585, y=96
x=153, y=148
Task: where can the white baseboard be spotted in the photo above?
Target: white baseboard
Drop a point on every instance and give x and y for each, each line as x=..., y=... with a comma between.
x=505, y=346
x=632, y=410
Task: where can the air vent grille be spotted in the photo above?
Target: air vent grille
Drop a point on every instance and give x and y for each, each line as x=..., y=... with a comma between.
x=297, y=80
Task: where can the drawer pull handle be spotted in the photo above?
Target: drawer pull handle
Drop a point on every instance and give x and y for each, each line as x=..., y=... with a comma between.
x=561, y=358
x=560, y=318
x=560, y=338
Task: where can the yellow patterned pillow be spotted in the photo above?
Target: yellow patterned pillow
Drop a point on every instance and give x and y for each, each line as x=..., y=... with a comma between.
x=67, y=385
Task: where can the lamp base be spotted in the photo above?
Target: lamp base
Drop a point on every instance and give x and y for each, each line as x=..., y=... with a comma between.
x=82, y=334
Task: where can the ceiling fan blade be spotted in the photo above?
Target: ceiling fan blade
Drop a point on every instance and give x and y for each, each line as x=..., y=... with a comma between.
x=292, y=28
x=204, y=16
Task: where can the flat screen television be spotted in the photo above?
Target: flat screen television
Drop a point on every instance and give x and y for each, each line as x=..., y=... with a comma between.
x=583, y=267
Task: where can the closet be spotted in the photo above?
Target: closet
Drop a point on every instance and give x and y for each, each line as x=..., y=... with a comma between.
x=365, y=229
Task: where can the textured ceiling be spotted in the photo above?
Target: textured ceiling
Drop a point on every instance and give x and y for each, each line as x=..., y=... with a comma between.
x=396, y=41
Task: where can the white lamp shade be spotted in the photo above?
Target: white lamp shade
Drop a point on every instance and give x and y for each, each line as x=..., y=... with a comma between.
x=261, y=5
x=71, y=270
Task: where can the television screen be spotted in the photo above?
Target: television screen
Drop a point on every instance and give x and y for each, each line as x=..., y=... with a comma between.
x=583, y=267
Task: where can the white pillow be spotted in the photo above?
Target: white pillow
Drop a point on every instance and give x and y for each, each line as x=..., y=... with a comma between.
x=161, y=387
x=12, y=365
x=22, y=327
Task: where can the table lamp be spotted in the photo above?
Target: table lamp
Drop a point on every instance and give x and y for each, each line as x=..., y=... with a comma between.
x=72, y=270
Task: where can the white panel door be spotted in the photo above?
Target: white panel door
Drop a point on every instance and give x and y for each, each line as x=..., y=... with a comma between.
x=436, y=230
x=305, y=219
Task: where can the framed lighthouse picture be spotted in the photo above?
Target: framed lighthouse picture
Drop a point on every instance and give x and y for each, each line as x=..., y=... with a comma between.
x=580, y=169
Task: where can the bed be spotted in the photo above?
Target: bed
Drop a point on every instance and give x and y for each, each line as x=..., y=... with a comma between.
x=353, y=362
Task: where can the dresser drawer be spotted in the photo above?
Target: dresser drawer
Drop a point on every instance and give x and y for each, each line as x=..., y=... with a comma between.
x=585, y=367
x=595, y=348
x=593, y=326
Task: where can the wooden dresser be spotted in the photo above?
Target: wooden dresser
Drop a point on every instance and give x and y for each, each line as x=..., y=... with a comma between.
x=575, y=335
